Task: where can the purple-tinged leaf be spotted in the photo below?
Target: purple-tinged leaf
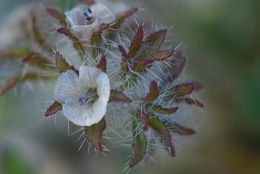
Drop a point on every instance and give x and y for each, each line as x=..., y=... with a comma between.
x=123, y=52
x=165, y=136
x=136, y=42
x=177, y=63
x=94, y=134
x=53, y=109
x=57, y=15
x=153, y=92
x=117, y=96
x=102, y=64
x=162, y=55
x=155, y=40
x=139, y=144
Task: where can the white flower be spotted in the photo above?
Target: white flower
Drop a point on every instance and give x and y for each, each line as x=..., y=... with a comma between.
x=83, y=19
x=84, y=98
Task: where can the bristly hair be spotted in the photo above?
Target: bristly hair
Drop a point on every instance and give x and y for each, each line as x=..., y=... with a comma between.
x=148, y=90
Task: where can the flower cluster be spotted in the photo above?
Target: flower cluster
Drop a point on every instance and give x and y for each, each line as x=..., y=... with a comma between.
x=111, y=74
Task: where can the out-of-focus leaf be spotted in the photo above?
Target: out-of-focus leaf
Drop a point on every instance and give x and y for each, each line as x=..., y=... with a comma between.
x=37, y=60
x=53, y=109
x=20, y=78
x=10, y=84
x=61, y=64
x=57, y=15
x=89, y=2
x=153, y=92
x=139, y=144
x=13, y=163
x=136, y=42
x=14, y=53
x=117, y=96
x=37, y=35
x=102, y=64
x=162, y=110
x=75, y=41
x=182, y=130
x=190, y=101
x=162, y=130
x=94, y=134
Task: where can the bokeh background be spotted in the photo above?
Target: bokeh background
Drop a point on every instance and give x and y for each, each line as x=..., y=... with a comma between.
x=221, y=39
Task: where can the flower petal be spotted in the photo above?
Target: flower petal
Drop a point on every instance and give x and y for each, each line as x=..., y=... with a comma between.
x=67, y=88
x=88, y=76
x=102, y=14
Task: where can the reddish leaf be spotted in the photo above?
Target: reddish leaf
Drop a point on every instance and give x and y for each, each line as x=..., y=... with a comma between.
x=155, y=40
x=178, y=64
x=153, y=92
x=162, y=55
x=57, y=15
x=61, y=64
x=94, y=134
x=136, y=42
x=162, y=130
x=185, y=89
x=75, y=41
x=53, y=109
x=102, y=64
x=123, y=52
x=181, y=130
x=162, y=110
x=117, y=96
x=139, y=144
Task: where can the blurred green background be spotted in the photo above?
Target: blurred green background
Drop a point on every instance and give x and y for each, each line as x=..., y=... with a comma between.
x=222, y=42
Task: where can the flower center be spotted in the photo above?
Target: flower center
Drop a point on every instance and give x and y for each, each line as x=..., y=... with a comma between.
x=88, y=14
x=88, y=97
